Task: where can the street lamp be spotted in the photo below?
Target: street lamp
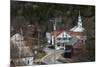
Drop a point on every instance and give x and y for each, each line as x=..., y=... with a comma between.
x=35, y=53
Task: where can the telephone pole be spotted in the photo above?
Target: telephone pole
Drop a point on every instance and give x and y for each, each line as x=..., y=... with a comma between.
x=54, y=29
x=55, y=40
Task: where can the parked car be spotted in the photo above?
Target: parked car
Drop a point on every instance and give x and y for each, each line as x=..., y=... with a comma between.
x=51, y=47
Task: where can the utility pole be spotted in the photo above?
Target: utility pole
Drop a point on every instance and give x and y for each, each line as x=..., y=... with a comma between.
x=38, y=39
x=54, y=29
x=55, y=41
x=20, y=48
x=38, y=32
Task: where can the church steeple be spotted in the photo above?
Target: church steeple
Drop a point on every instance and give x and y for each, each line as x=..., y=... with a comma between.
x=79, y=20
x=79, y=27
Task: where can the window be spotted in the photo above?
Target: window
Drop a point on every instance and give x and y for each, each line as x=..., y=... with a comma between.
x=58, y=44
x=64, y=38
x=70, y=38
x=63, y=44
x=59, y=38
x=28, y=62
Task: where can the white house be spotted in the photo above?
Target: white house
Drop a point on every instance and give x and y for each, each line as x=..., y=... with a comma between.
x=24, y=55
x=59, y=39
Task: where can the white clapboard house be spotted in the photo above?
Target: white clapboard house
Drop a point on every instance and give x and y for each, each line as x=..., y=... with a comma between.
x=21, y=54
x=60, y=39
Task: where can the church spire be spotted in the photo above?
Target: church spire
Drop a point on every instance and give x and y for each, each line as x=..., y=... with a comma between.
x=79, y=20
x=79, y=27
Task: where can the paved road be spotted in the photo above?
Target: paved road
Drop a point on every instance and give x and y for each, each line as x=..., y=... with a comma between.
x=51, y=56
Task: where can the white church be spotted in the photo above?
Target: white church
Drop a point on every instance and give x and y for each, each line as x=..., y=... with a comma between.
x=78, y=27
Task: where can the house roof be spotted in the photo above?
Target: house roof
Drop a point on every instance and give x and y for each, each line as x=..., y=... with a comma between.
x=17, y=36
x=75, y=33
x=56, y=33
x=77, y=29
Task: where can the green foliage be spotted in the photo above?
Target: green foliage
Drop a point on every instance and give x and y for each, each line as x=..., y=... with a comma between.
x=45, y=10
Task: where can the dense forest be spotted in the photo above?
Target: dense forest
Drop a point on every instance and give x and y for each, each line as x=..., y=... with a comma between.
x=41, y=14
